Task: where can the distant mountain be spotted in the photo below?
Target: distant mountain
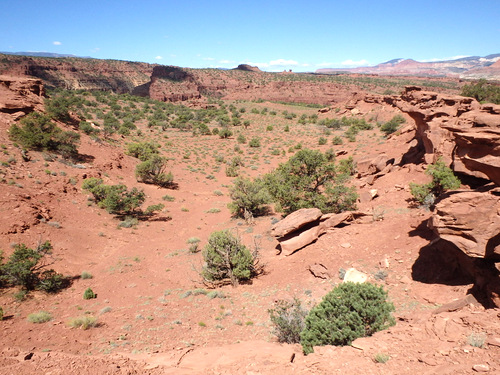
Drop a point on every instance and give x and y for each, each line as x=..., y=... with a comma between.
x=38, y=54
x=471, y=67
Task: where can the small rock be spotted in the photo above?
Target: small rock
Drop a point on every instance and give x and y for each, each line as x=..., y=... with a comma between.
x=319, y=270
x=346, y=245
x=481, y=368
x=355, y=276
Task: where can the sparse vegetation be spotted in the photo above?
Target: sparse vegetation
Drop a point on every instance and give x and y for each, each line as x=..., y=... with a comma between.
x=442, y=179
x=227, y=260
x=310, y=179
x=482, y=91
x=38, y=132
x=288, y=319
x=27, y=268
x=349, y=311
x=392, y=125
x=84, y=322
x=40, y=317
x=89, y=294
x=152, y=171
x=249, y=196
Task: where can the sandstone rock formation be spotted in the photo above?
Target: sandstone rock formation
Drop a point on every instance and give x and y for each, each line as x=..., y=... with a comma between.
x=471, y=221
x=304, y=226
x=464, y=133
x=20, y=96
x=248, y=68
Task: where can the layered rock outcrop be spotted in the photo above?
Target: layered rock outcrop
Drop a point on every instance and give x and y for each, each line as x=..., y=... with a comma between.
x=466, y=135
x=20, y=96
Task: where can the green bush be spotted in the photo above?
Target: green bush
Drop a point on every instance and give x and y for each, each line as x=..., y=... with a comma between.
x=346, y=313
x=311, y=179
x=143, y=150
x=1, y=313
x=337, y=140
x=227, y=260
x=288, y=319
x=38, y=132
x=442, y=179
x=116, y=199
x=26, y=268
x=152, y=171
x=89, y=294
x=254, y=142
x=248, y=196
x=322, y=141
x=225, y=133
x=392, y=125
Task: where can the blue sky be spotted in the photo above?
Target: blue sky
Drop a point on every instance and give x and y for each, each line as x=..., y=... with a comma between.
x=274, y=35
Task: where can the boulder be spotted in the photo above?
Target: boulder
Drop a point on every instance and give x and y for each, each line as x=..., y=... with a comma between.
x=471, y=221
x=294, y=221
x=304, y=235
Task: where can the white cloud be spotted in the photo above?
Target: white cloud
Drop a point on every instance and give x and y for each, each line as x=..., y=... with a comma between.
x=226, y=62
x=282, y=62
x=351, y=63
x=95, y=49
x=208, y=58
x=158, y=57
x=56, y=43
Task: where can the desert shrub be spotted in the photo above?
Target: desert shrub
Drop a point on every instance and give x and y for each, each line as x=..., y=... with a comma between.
x=1, y=313
x=151, y=209
x=26, y=268
x=241, y=139
x=248, y=196
x=152, y=171
x=482, y=91
x=89, y=294
x=381, y=358
x=38, y=132
x=442, y=179
x=87, y=128
x=84, y=322
x=86, y=275
x=310, y=179
x=58, y=107
x=392, y=125
x=142, y=150
x=116, y=199
x=225, y=132
x=232, y=171
x=193, y=242
x=288, y=320
x=51, y=282
x=322, y=141
x=337, y=140
x=349, y=311
x=39, y=317
x=227, y=260
x=254, y=142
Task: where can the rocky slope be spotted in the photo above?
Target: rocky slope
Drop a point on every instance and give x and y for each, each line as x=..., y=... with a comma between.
x=148, y=322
